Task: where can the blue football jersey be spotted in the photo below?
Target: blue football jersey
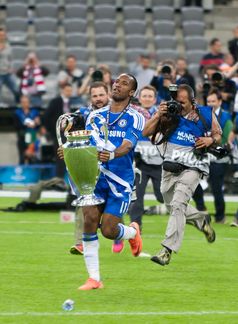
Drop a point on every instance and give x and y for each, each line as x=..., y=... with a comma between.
x=121, y=126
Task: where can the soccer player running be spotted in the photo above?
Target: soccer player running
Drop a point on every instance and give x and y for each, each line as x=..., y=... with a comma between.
x=115, y=182
x=99, y=98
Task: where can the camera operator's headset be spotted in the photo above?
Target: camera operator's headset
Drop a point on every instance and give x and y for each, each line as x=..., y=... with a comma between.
x=192, y=99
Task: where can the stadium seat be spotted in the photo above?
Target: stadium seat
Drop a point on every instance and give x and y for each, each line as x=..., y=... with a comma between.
x=193, y=28
x=155, y=3
x=133, y=12
x=133, y=2
x=163, y=13
x=164, y=54
x=104, y=2
x=132, y=54
x=48, y=53
x=47, y=39
x=134, y=26
x=17, y=30
x=46, y=24
x=105, y=40
x=75, y=25
x=191, y=14
x=107, y=54
x=76, y=40
x=165, y=42
x=16, y=9
x=104, y=12
x=136, y=41
x=19, y=53
x=46, y=10
x=195, y=42
x=76, y=11
x=164, y=27
x=194, y=56
x=81, y=53
x=53, y=66
x=105, y=25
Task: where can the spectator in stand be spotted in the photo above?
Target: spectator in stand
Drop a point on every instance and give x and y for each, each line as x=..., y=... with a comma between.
x=58, y=106
x=6, y=69
x=215, y=56
x=182, y=71
x=233, y=44
x=166, y=75
x=142, y=70
x=27, y=121
x=32, y=76
x=73, y=75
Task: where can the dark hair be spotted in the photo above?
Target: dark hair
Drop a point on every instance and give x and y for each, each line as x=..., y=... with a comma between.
x=216, y=92
x=71, y=56
x=98, y=84
x=148, y=87
x=68, y=84
x=189, y=91
x=135, y=83
x=213, y=41
x=211, y=67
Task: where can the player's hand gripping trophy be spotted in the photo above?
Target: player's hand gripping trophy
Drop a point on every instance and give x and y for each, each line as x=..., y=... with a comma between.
x=80, y=157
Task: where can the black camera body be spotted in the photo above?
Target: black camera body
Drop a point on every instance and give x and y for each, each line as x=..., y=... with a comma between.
x=219, y=151
x=97, y=75
x=166, y=72
x=174, y=107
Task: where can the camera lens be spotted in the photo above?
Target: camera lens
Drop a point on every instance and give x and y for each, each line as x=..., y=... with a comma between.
x=166, y=69
x=217, y=77
x=97, y=75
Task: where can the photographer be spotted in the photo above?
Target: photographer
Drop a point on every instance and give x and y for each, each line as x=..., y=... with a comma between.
x=165, y=77
x=73, y=75
x=218, y=167
x=213, y=78
x=185, y=129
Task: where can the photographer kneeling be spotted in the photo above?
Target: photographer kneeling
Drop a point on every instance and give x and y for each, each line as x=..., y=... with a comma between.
x=185, y=129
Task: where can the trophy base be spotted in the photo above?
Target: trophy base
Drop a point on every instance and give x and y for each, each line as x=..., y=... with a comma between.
x=87, y=200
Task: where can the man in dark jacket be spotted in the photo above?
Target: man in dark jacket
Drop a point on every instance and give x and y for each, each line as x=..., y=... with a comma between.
x=57, y=107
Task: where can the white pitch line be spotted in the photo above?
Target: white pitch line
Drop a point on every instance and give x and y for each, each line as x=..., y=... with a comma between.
x=172, y=313
x=61, y=195
x=156, y=236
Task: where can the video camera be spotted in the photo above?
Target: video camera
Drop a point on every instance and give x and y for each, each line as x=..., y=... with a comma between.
x=174, y=107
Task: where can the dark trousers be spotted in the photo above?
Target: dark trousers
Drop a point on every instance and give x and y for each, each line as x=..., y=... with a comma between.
x=136, y=209
x=216, y=179
x=198, y=197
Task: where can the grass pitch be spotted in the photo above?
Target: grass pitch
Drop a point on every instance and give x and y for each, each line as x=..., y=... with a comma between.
x=37, y=274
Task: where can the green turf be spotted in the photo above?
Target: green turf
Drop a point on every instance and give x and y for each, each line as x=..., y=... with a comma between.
x=38, y=274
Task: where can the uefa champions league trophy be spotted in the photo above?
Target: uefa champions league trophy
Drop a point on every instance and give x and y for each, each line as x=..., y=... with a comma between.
x=80, y=157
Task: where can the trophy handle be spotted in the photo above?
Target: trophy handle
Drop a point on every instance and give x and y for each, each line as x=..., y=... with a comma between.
x=62, y=118
x=95, y=128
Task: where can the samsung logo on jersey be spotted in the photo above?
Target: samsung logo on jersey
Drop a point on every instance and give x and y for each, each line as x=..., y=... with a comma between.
x=114, y=133
x=186, y=137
